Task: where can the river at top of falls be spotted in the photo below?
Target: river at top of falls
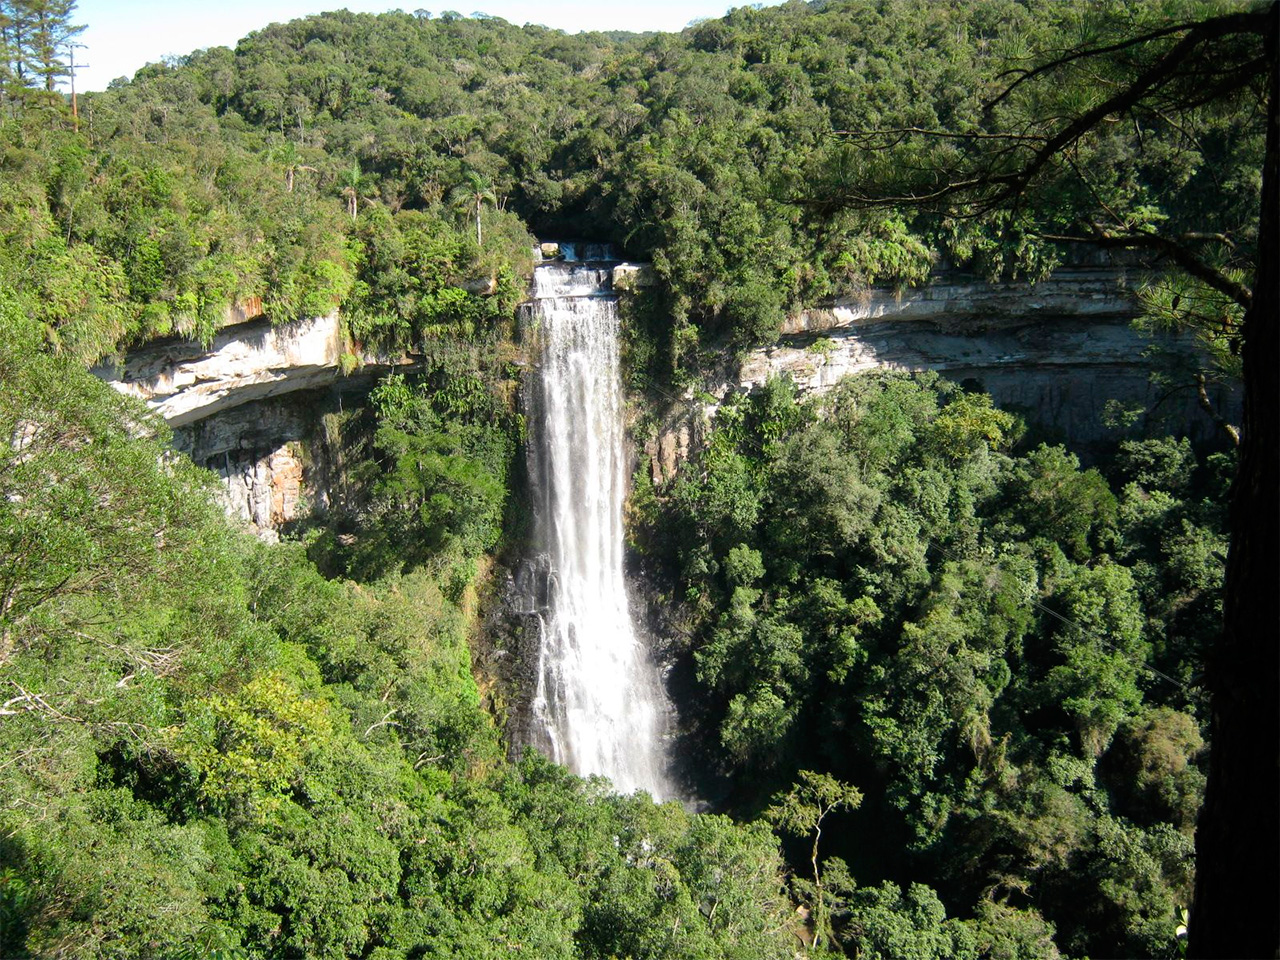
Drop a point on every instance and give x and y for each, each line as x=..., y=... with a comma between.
x=599, y=705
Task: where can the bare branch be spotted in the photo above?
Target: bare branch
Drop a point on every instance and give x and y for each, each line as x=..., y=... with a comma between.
x=1202, y=396
x=1157, y=75
x=1216, y=237
x=34, y=702
x=385, y=721
x=994, y=189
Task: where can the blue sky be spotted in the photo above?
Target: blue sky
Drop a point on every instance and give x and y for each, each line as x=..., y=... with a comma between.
x=123, y=35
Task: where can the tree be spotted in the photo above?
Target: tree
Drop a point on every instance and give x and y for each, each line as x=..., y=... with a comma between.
x=87, y=494
x=801, y=811
x=52, y=30
x=1098, y=144
x=7, y=51
x=15, y=34
x=353, y=182
x=472, y=196
x=289, y=157
x=36, y=35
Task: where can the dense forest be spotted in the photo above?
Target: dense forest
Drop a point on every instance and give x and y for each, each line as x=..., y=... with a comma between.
x=944, y=691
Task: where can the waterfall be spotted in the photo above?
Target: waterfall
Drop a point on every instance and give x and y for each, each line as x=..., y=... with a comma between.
x=599, y=705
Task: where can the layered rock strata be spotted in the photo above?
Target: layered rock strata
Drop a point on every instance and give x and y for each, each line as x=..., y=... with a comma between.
x=1059, y=352
x=280, y=459
x=247, y=406
x=185, y=382
x=1063, y=353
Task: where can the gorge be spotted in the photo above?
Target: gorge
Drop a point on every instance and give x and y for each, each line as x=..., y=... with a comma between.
x=848, y=547
x=1057, y=351
x=589, y=696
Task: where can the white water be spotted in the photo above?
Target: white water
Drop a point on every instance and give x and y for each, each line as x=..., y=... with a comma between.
x=598, y=706
x=558, y=281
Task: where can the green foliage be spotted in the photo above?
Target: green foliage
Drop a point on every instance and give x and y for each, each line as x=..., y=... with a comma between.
x=248, y=751
x=886, y=921
x=90, y=493
x=215, y=751
x=970, y=422
x=801, y=812
x=444, y=445
x=1003, y=932
x=986, y=638
x=1022, y=161
x=381, y=165
x=1051, y=493
x=410, y=275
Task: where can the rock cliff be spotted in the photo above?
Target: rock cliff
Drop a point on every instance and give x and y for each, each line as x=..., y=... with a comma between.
x=280, y=458
x=1059, y=352
x=249, y=406
x=185, y=382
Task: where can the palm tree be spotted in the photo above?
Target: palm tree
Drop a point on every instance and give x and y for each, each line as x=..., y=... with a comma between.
x=472, y=196
x=354, y=184
x=287, y=155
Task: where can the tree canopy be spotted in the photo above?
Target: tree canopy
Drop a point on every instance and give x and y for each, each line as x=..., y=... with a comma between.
x=949, y=691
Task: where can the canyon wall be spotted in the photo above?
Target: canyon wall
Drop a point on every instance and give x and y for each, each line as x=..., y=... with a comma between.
x=1063, y=353
x=252, y=406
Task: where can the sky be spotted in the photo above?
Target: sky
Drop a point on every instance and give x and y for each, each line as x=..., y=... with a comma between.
x=124, y=35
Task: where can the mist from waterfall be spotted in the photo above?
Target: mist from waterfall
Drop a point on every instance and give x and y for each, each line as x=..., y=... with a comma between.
x=599, y=705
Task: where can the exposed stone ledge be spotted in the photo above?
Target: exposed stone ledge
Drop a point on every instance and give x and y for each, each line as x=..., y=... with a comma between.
x=1065, y=332
x=969, y=304
x=1058, y=352
x=184, y=382
x=1057, y=346
x=632, y=276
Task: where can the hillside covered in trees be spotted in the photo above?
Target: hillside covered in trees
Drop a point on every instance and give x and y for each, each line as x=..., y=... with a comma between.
x=943, y=691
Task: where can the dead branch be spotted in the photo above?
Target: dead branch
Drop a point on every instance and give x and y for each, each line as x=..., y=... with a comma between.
x=384, y=722
x=1202, y=396
x=34, y=702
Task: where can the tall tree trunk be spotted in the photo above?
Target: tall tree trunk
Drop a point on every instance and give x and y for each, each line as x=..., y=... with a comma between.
x=1236, y=911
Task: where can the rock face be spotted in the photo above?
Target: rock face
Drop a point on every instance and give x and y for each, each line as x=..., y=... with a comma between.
x=967, y=305
x=281, y=459
x=631, y=276
x=671, y=447
x=264, y=488
x=184, y=382
x=250, y=405
x=1059, y=352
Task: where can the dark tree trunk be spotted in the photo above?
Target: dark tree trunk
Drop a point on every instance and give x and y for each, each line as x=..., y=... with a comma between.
x=1236, y=911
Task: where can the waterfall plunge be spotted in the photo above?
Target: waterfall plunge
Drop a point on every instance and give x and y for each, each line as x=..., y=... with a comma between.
x=598, y=706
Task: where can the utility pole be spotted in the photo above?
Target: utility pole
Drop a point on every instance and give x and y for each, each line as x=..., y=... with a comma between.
x=71, y=67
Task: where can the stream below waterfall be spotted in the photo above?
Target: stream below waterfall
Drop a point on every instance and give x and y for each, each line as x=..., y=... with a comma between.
x=599, y=706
